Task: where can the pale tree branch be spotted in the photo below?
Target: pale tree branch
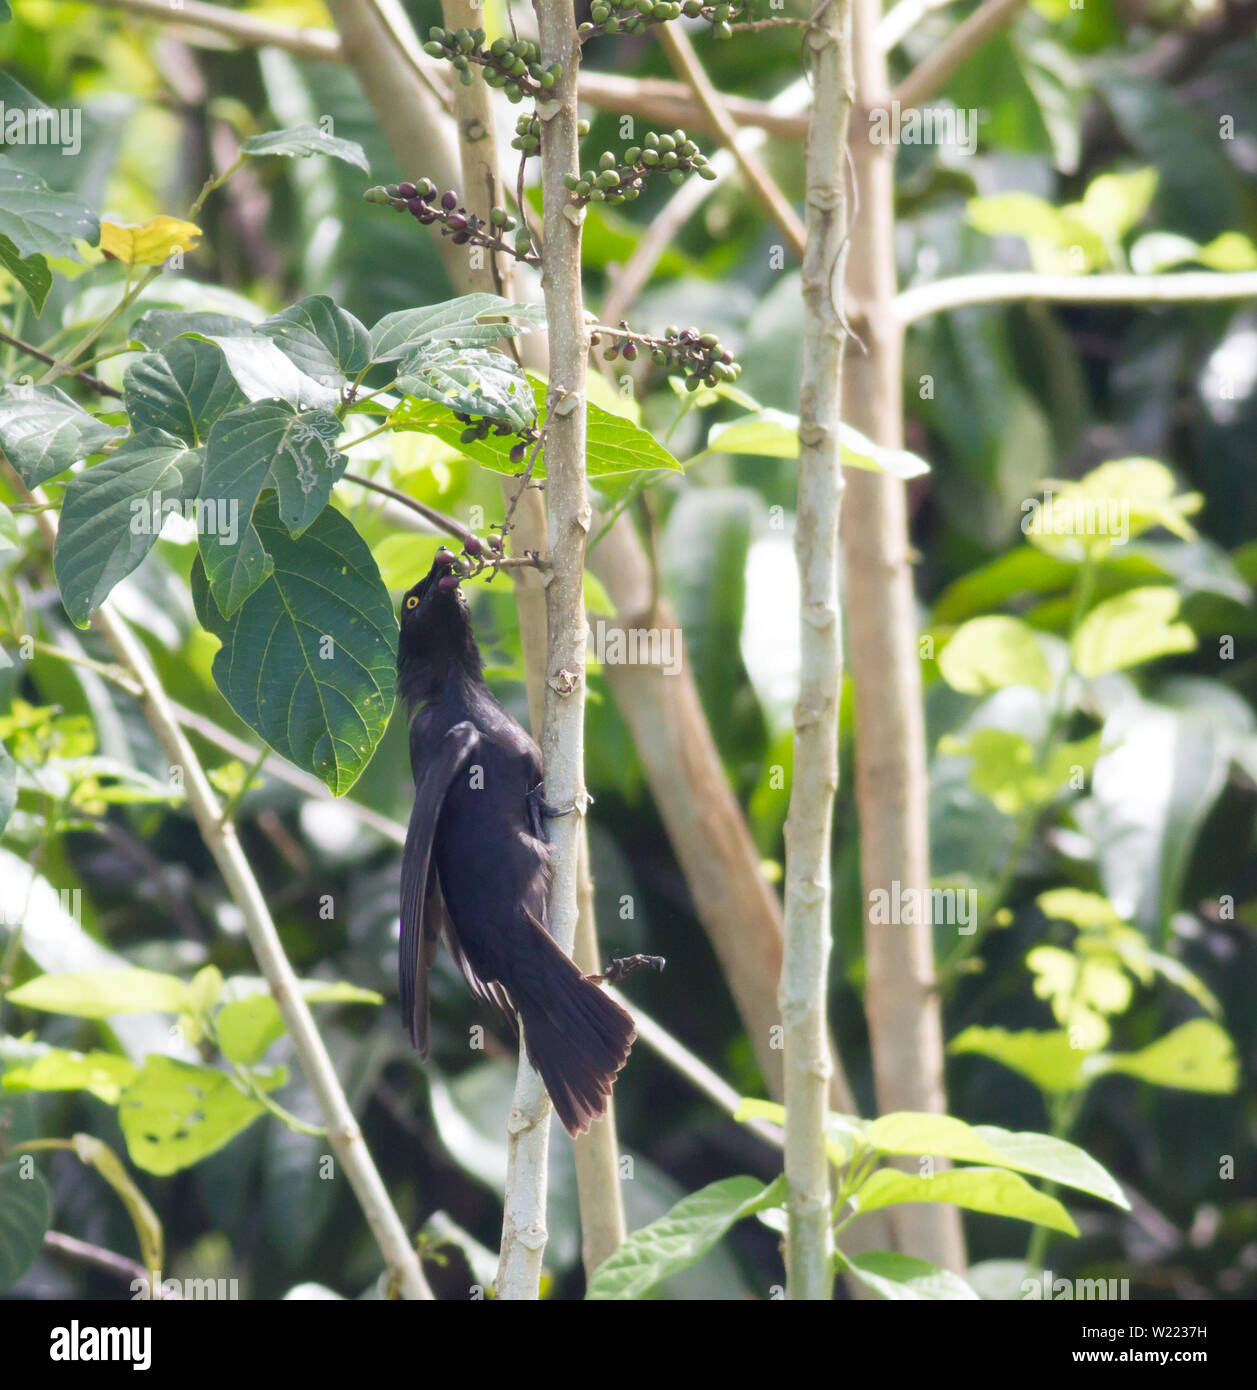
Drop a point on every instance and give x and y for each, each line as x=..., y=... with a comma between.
x=219, y=834
x=676, y=44
x=929, y=77
x=563, y=724
x=960, y=291
x=809, y=824
x=891, y=784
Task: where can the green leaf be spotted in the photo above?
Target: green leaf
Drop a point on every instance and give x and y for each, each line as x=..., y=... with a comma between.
x=160, y=327
x=308, y=660
x=1042, y=1156
x=987, y=654
x=1006, y=768
x=775, y=434
x=470, y=381
x=304, y=140
x=1048, y=1059
x=183, y=389
x=459, y=322
x=31, y=272
x=681, y=1238
x=37, y=220
x=614, y=444
x=904, y=1278
x=992, y=1190
x=174, y=1114
x=263, y=372
x=324, y=340
x=107, y=519
x=25, y=1215
x=101, y=993
x=1129, y=630
x=247, y=1027
x=1195, y=1056
x=104, y=1074
x=43, y=432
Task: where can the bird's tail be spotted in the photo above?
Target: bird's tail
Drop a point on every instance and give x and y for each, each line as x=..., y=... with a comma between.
x=576, y=1037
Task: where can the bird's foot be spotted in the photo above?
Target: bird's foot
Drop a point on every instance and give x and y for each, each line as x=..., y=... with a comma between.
x=621, y=966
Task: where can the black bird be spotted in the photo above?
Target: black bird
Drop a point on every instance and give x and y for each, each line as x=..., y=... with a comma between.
x=475, y=867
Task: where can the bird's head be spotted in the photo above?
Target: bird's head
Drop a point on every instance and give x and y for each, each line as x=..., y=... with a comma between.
x=435, y=624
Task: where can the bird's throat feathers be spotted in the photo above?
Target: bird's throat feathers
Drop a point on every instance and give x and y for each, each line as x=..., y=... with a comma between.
x=431, y=653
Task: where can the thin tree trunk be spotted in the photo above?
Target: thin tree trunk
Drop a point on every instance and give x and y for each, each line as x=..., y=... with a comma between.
x=809, y=824
x=891, y=768
x=563, y=726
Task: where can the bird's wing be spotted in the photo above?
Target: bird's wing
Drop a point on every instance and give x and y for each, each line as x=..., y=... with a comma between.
x=437, y=921
x=421, y=926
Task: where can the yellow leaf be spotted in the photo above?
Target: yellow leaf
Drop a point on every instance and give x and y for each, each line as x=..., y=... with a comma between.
x=147, y=243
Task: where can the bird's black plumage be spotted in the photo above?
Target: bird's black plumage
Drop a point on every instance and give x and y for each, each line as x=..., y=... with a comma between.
x=475, y=865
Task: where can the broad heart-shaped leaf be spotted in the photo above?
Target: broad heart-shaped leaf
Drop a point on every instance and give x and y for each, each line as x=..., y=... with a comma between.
x=613, y=444
x=682, y=1237
x=988, y=654
x=25, y=1214
x=308, y=661
x=159, y=327
x=1047, y=1058
x=470, y=381
x=265, y=373
x=457, y=321
x=37, y=220
x=303, y=141
x=43, y=432
x=182, y=389
x=324, y=340
x=247, y=1026
x=1195, y=1056
x=1128, y=630
x=101, y=993
x=31, y=272
x=256, y=444
x=104, y=1074
x=174, y=1114
x=992, y=1190
x=903, y=1277
x=915, y=1132
x=113, y=514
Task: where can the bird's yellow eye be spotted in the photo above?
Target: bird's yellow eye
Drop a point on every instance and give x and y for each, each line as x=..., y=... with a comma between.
x=412, y=601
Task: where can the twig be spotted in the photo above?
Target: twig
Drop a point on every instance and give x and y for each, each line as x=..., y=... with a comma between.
x=101, y=388
x=919, y=302
x=929, y=77
x=320, y=44
x=680, y=51
x=96, y=1256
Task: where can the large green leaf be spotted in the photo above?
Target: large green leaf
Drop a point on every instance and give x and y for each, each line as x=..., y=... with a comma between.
x=183, y=389
x=302, y=141
x=25, y=1214
x=174, y=1114
x=988, y=654
x=43, y=432
x=248, y=1025
x=101, y=993
x=1041, y=1155
x=263, y=372
x=323, y=339
x=104, y=1074
x=682, y=1237
x=113, y=514
x=992, y=1190
x=1195, y=1056
x=471, y=381
x=308, y=660
x=775, y=434
x=37, y=220
x=1130, y=629
x=457, y=321
x=904, y=1278
x=1048, y=1059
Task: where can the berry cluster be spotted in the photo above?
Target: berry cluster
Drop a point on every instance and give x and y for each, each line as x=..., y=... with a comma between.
x=528, y=134
x=477, y=428
x=633, y=16
x=514, y=65
x=422, y=201
x=699, y=357
x=620, y=181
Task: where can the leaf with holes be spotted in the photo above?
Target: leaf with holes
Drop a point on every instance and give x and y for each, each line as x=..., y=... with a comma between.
x=308, y=660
